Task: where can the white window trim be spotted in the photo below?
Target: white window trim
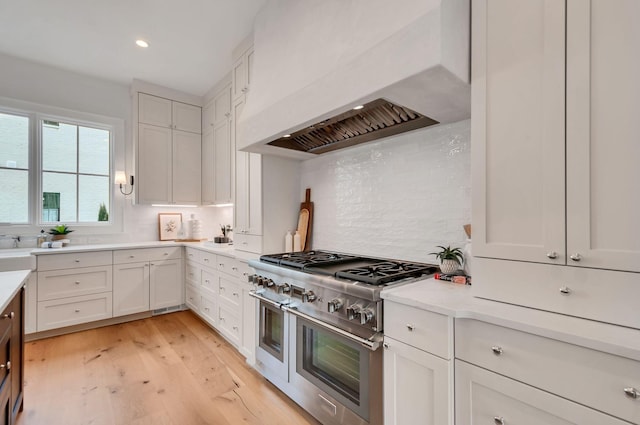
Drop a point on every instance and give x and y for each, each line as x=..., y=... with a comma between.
x=37, y=112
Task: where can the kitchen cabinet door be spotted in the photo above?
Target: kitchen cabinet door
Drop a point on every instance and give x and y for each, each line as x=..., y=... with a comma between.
x=603, y=100
x=186, y=117
x=517, y=126
x=416, y=386
x=241, y=74
x=187, y=155
x=484, y=397
x=154, y=110
x=223, y=156
x=222, y=105
x=155, y=156
x=249, y=325
x=130, y=288
x=166, y=288
x=208, y=168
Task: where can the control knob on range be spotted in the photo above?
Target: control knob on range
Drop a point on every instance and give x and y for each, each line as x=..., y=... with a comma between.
x=268, y=283
x=283, y=288
x=353, y=311
x=334, y=305
x=308, y=297
x=366, y=316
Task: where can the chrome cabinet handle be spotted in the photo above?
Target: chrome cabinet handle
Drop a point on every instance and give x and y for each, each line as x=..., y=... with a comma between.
x=77, y=311
x=497, y=350
x=132, y=256
x=632, y=393
x=385, y=345
x=576, y=257
x=410, y=327
x=9, y=315
x=77, y=282
x=552, y=255
x=565, y=290
x=498, y=420
x=77, y=261
x=6, y=366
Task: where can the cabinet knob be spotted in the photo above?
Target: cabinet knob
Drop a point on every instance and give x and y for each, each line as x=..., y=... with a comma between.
x=410, y=327
x=206, y=260
x=77, y=261
x=552, y=255
x=221, y=264
x=235, y=328
x=632, y=393
x=77, y=282
x=6, y=366
x=235, y=269
x=9, y=315
x=166, y=253
x=235, y=294
x=565, y=290
x=576, y=257
x=132, y=256
x=385, y=345
x=77, y=311
x=497, y=350
x=498, y=420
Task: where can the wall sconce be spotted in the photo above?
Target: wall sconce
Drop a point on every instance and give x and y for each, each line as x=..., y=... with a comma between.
x=121, y=179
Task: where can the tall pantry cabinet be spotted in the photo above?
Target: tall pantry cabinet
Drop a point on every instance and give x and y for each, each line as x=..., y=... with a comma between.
x=168, y=151
x=555, y=97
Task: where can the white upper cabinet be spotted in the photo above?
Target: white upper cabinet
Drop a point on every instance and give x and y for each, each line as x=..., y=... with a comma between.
x=241, y=74
x=603, y=101
x=168, y=151
x=222, y=105
x=518, y=130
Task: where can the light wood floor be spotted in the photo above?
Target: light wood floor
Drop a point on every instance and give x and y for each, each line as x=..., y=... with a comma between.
x=165, y=370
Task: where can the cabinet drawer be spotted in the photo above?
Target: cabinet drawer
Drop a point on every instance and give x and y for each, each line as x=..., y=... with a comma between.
x=250, y=243
x=147, y=254
x=208, y=259
x=192, y=298
x=209, y=281
x=191, y=254
x=229, y=292
x=245, y=271
x=228, y=265
x=484, y=397
x=422, y=329
x=55, y=314
x=192, y=273
x=74, y=282
x=587, y=376
x=229, y=324
x=73, y=260
x=208, y=309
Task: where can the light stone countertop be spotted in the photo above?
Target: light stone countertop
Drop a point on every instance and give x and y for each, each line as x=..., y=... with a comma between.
x=10, y=284
x=456, y=301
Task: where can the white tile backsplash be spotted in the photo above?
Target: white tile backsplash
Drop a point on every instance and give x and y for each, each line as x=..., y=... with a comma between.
x=397, y=198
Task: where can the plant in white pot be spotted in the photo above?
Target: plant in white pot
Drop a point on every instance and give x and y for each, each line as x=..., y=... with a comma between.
x=450, y=259
x=59, y=232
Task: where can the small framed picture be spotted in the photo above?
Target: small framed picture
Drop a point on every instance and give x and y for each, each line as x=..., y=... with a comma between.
x=169, y=225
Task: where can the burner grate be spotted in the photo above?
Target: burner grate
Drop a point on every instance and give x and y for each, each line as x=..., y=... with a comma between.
x=386, y=271
x=300, y=260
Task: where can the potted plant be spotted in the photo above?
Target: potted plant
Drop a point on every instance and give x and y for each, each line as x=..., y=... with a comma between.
x=450, y=259
x=59, y=232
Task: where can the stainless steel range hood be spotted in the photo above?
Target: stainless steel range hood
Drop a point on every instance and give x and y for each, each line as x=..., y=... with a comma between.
x=308, y=75
x=372, y=121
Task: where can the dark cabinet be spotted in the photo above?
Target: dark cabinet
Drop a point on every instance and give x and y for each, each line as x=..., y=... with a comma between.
x=11, y=359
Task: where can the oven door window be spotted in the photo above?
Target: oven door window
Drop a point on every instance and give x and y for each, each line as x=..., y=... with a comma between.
x=335, y=364
x=272, y=330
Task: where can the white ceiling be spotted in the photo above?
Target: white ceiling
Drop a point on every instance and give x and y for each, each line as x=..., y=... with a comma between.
x=190, y=40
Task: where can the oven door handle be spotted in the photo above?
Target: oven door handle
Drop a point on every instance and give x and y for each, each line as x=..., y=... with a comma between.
x=256, y=295
x=372, y=344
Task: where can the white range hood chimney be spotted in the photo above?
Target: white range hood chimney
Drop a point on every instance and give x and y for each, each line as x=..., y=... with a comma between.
x=316, y=59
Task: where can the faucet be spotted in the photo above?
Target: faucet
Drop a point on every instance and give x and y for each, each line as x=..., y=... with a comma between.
x=16, y=239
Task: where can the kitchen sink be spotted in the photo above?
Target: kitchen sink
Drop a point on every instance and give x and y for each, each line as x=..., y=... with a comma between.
x=17, y=259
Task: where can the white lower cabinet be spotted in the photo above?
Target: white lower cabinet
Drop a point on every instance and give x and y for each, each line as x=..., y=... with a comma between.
x=484, y=397
x=130, y=288
x=165, y=284
x=416, y=386
x=192, y=298
x=69, y=311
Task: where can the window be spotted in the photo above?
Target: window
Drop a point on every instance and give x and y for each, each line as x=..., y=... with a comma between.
x=76, y=168
x=14, y=168
x=56, y=166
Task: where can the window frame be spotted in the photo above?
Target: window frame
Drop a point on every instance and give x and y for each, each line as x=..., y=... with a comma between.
x=37, y=113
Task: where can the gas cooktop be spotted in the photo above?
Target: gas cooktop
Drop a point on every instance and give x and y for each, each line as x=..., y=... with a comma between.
x=372, y=271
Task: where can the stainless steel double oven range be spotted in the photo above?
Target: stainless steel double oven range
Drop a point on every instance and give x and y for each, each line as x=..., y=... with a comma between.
x=320, y=329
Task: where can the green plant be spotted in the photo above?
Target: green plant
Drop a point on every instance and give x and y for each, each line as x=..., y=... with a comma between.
x=103, y=214
x=449, y=253
x=61, y=229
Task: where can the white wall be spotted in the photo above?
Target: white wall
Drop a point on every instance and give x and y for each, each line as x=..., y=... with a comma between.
x=45, y=85
x=395, y=198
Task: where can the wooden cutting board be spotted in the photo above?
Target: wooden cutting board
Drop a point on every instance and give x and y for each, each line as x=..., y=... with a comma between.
x=305, y=221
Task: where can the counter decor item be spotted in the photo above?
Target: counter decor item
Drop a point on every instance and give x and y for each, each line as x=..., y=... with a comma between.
x=450, y=259
x=297, y=242
x=60, y=232
x=288, y=242
x=305, y=223
x=466, y=250
x=169, y=225
x=224, y=238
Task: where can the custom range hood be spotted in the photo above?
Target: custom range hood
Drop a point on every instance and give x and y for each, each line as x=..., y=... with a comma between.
x=406, y=62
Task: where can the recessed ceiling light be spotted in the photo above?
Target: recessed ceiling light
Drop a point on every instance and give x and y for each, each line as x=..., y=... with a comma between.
x=355, y=108
x=287, y=135
x=142, y=43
